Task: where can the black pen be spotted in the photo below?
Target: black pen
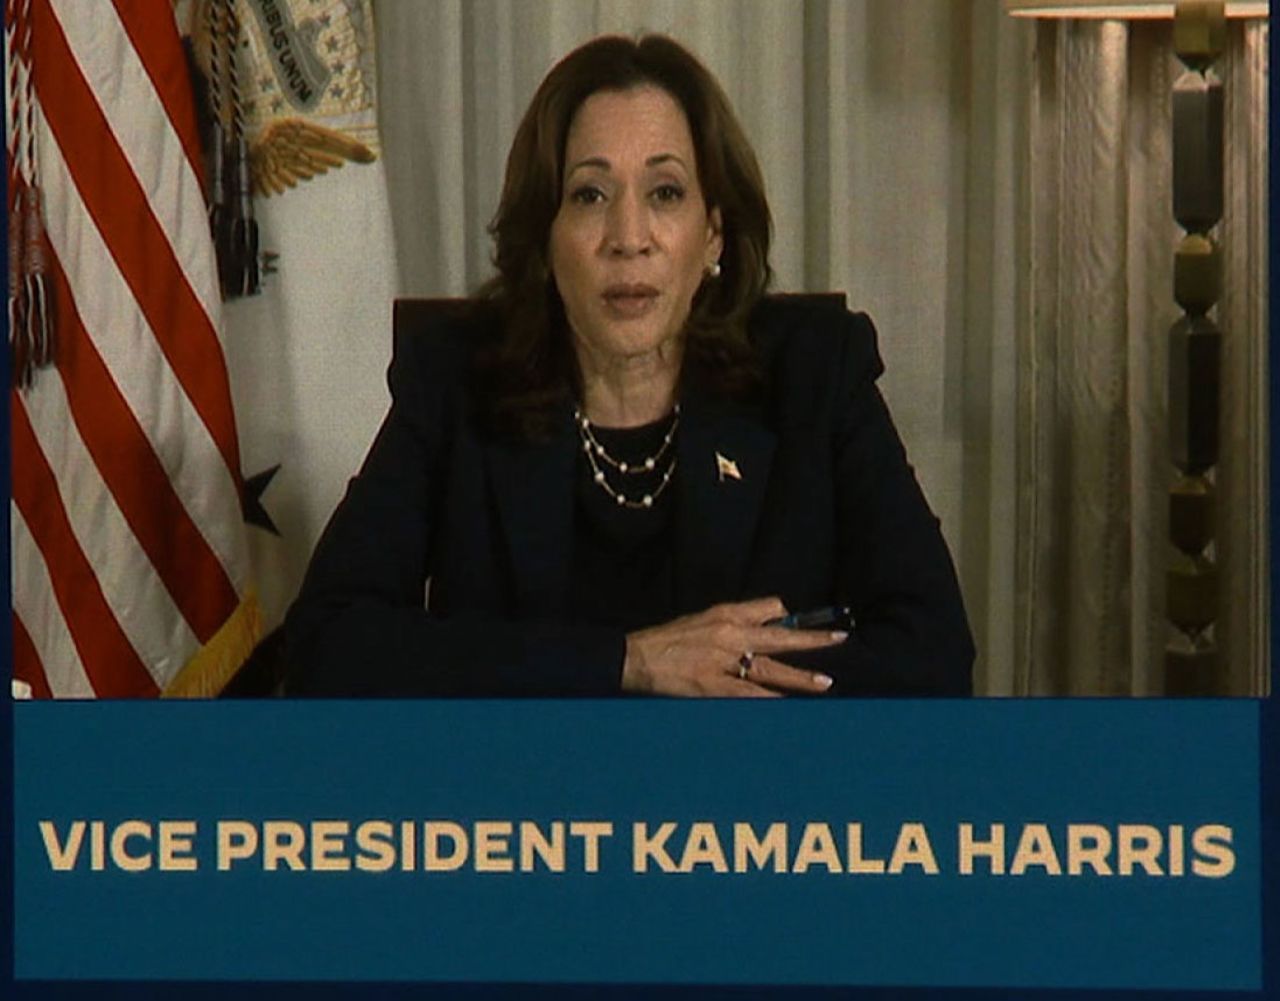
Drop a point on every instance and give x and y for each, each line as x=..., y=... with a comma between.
x=831, y=617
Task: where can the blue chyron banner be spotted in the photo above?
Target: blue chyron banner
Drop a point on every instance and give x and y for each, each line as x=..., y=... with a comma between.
x=978, y=843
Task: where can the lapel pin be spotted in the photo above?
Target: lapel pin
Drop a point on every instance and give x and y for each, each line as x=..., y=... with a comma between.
x=726, y=468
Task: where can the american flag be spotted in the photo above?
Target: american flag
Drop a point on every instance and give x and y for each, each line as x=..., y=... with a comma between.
x=129, y=558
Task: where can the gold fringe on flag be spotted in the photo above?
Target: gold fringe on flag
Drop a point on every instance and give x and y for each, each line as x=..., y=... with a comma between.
x=214, y=664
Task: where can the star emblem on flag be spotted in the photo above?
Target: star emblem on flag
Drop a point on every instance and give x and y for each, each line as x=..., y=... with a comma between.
x=251, y=500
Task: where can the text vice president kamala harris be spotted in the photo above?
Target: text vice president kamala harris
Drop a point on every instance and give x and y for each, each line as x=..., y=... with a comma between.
x=621, y=464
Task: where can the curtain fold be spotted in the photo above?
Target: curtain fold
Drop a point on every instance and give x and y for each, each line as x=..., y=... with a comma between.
x=1242, y=530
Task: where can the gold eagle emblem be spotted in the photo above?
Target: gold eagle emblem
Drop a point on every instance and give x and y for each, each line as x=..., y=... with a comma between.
x=304, y=81
x=290, y=150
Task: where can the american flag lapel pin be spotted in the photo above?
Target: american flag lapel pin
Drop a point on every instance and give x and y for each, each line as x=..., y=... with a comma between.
x=726, y=468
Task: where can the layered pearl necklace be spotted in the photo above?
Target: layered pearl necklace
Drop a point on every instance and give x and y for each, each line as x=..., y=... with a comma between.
x=597, y=453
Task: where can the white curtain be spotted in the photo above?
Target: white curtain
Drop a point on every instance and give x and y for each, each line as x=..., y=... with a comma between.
x=1093, y=439
x=909, y=151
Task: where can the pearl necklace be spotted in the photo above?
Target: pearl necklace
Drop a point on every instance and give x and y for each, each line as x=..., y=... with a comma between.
x=597, y=452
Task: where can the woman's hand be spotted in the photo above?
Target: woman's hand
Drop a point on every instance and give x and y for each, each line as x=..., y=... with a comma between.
x=723, y=652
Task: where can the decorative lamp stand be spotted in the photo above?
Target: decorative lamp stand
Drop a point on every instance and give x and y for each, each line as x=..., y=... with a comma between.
x=1195, y=348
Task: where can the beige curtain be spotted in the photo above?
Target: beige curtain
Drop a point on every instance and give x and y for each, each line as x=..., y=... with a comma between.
x=1093, y=445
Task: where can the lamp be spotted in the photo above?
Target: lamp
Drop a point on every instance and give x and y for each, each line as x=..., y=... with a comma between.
x=1191, y=655
x=1124, y=10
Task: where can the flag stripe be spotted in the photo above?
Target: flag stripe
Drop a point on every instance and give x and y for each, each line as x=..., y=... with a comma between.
x=166, y=65
x=134, y=592
x=34, y=603
x=110, y=662
x=139, y=120
x=135, y=477
x=110, y=317
x=26, y=661
x=120, y=209
x=130, y=580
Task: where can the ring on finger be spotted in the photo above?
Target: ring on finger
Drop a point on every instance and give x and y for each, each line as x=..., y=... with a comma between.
x=744, y=664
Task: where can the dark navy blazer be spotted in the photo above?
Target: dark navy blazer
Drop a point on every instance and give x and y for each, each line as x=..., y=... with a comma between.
x=826, y=511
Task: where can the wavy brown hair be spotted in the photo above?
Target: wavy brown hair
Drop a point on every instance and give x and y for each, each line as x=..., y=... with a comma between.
x=527, y=374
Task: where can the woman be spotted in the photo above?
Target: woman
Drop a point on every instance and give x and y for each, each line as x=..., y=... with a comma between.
x=622, y=464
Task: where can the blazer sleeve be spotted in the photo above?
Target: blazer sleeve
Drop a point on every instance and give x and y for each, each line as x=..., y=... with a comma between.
x=359, y=626
x=892, y=564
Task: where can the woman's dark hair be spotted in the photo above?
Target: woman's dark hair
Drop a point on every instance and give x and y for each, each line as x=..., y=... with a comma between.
x=528, y=373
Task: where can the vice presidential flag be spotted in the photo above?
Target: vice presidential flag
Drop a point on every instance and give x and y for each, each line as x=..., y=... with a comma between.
x=129, y=561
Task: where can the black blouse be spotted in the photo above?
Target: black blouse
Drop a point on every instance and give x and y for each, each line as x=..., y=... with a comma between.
x=621, y=574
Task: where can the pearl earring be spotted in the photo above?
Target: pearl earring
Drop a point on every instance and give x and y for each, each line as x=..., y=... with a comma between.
x=714, y=270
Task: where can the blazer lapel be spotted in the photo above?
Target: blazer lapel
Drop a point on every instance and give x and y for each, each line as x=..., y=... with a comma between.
x=533, y=487
x=725, y=454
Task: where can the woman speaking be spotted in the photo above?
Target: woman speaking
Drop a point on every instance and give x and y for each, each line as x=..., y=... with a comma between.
x=622, y=468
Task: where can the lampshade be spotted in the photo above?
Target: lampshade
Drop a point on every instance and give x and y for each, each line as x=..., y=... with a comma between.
x=1125, y=10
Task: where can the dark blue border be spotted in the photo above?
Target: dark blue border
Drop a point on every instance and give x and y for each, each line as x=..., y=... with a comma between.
x=166, y=991
x=1269, y=805
x=6, y=624
x=1269, y=722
